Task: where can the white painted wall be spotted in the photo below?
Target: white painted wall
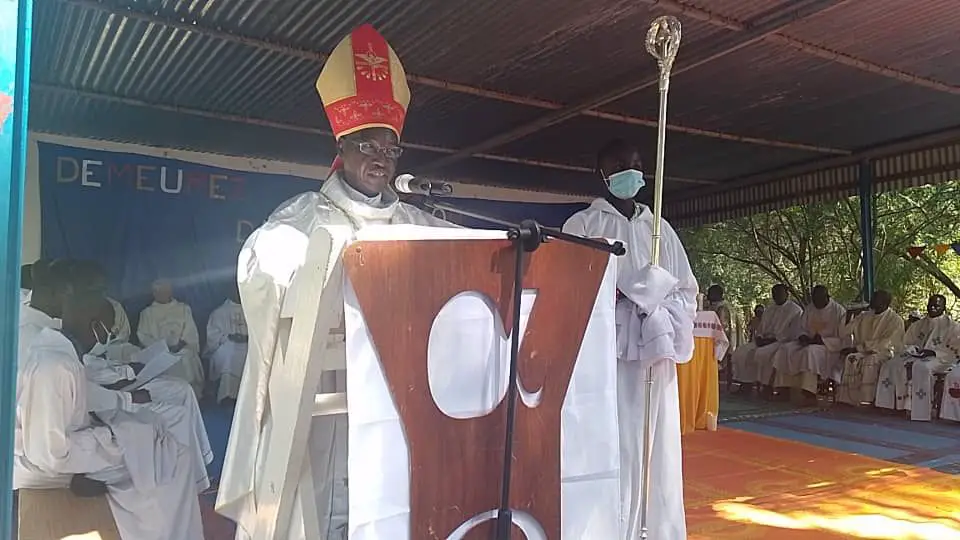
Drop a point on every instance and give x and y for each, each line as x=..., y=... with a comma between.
x=32, y=211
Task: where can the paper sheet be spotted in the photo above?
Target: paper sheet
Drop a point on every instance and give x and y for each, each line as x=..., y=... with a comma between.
x=156, y=359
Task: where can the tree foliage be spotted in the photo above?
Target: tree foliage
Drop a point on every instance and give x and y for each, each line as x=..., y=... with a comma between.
x=812, y=244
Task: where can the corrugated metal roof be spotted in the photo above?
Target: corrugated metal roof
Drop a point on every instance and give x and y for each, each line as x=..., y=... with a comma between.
x=767, y=90
x=258, y=59
x=916, y=37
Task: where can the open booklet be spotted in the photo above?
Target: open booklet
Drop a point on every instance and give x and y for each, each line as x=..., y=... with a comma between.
x=156, y=360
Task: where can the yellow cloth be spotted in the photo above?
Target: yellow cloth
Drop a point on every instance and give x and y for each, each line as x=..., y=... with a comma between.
x=698, y=380
x=699, y=386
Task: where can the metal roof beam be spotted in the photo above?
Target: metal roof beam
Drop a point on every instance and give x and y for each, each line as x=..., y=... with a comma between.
x=217, y=33
x=806, y=47
x=887, y=149
x=751, y=35
x=176, y=109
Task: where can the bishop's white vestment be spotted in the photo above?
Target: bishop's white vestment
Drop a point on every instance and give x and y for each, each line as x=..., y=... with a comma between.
x=268, y=263
x=654, y=329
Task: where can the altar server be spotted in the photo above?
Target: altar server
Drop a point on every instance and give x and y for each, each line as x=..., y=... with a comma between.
x=654, y=329
x=168, y=319
x=364, y=92
x=145, y=473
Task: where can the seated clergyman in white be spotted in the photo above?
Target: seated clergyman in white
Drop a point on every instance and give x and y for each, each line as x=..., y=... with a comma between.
x=227, y=346
x=168, y=319
x=931, y=346
x=753, y=362
x=144, y=472
x=172, y=399
x=816, y=354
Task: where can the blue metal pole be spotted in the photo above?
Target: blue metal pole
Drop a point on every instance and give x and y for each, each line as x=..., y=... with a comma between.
x=16, y=22
x=866, y=194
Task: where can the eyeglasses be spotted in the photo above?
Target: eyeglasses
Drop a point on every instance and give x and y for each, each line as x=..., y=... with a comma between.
x=373, y=149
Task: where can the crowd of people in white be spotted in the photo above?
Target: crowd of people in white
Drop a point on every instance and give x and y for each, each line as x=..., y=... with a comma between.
x=868, y=355
x=101, y=415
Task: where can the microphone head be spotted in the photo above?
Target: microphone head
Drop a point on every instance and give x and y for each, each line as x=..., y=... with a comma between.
x=402, y=183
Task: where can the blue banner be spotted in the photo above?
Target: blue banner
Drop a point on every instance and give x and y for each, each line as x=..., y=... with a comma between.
x=144, y=218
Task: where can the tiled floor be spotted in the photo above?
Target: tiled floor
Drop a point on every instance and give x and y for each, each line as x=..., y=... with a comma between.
x=866, y=432
x=783, y=483
x=790, y=490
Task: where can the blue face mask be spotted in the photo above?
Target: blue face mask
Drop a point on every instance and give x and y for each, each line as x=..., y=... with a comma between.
x=625, y=184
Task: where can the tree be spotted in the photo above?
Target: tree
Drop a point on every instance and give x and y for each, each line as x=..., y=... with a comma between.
x=812, y=244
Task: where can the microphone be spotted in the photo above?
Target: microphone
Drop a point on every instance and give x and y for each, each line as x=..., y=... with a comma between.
x=407, y=183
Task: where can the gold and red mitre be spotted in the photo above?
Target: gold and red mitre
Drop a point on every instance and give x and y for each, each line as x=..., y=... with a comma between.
x=363, y=85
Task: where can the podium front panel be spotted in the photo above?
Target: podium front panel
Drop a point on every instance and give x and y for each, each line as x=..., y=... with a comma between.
x=455, y=463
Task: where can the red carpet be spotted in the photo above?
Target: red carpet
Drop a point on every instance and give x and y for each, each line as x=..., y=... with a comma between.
x=740, y=485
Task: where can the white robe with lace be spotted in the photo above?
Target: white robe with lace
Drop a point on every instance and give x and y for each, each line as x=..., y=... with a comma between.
x=667, y=296
x=173, y=322
x=268, y=262
x=226, y=357
x=801, y=366
x=54, y=439
x=752, y=364
x=894, y=391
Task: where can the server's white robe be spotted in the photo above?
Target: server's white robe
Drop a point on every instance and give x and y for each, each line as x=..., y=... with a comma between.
x=752, y=364
x=268, y=262
x=54, y=439
x=894, y=391
x=121, y=323
x=173, y=322
x=226, y=357
x=801, y=366
x=668, y=297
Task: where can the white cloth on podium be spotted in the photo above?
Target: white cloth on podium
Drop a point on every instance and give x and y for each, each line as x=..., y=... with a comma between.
x=378, y=462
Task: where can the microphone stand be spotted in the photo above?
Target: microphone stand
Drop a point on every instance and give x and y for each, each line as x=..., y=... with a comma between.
x=526, y=237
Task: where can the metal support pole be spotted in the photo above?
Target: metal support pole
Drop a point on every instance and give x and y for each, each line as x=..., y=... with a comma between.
x=15, y=35
x=866, y=194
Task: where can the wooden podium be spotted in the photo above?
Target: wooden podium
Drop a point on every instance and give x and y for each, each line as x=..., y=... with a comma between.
x=391, y=292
